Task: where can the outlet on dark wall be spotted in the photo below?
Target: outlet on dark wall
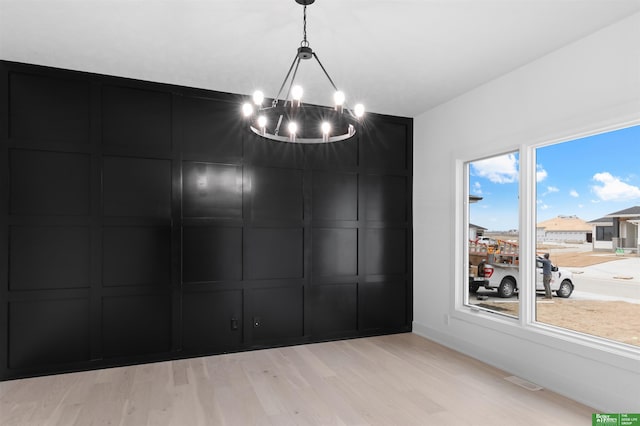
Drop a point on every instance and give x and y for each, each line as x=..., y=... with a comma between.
x=142, y=221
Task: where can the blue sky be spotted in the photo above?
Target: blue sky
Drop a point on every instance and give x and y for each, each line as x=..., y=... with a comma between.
x=589, y=177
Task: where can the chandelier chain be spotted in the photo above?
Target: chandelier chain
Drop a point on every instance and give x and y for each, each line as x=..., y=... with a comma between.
x=304, y=42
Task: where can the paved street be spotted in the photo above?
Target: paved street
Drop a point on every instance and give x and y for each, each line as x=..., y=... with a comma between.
x=618, y=278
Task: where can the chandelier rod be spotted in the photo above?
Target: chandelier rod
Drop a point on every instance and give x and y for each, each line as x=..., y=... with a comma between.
x=325, y=71
x=293, y=79
x=284, y=82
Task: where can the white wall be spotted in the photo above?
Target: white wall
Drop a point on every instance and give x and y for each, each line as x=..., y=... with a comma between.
x=563, y=236
x=603, y=245
x=588, y=86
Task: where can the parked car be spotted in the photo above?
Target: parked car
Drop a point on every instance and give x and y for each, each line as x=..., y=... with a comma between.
x=504, y=277
x=487, y=240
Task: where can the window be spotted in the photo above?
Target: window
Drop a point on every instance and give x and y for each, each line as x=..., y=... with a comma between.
x=584, y=184
x=494, y=273
x=604, y=233
x=583, y=198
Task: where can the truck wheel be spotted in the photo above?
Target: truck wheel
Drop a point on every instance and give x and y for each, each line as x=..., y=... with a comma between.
x=507, y=287
x=473, y=287
x=565, y=290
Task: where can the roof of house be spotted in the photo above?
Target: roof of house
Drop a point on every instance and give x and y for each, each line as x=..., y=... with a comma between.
x=630, y=212
x=602, y=220
x=565, y=223
x=471, y=225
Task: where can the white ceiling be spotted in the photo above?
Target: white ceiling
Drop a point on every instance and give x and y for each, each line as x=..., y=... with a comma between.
x=399, y=57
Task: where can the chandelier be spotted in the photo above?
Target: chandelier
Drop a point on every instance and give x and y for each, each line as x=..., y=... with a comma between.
x=283, y=119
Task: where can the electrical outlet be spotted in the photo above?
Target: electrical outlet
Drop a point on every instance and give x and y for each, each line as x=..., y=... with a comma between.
x=446, y=319
x=234, y=323
x=256, y=322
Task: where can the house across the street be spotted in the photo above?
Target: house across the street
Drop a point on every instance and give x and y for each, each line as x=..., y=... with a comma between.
x=618, y=231
x=564, y=229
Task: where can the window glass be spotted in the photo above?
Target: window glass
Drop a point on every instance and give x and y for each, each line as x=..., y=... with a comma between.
x=493, y=234
x=587, y=221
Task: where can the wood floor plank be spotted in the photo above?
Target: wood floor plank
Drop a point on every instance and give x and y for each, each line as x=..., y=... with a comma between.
x=400, y=379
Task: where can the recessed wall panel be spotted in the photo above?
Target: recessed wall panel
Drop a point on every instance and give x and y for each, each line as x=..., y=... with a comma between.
x=386, y=198
x=276, y=194
x=278, y=312
x=386, y=251
x=211, y=190
x=211, y=254
x=273, y=253
x=334, y=155
x=136, y=187
x=264, y=152
x=136, y=117
x=211, y=128
x=48, y=332
x=212, y=319
x=49, y=183
x=136, y=325
x=335, y=196
x=43, y=108
x=385, y=145
x=334, y=252
x=136, y=256
x=47, y=258
x=382, y=305
x=334, y=308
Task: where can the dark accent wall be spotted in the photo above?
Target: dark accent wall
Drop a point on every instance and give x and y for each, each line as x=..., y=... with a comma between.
x=142, y=222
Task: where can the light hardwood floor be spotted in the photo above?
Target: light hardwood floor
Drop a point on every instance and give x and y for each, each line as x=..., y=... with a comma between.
x=400, y=379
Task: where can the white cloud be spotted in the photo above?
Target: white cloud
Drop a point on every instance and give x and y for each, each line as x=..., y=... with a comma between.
x=550, y=189
x=542, y=205
x=477, y=188
x=502, y=169
x=614, y=189
x=541, y=174
x=574, y=193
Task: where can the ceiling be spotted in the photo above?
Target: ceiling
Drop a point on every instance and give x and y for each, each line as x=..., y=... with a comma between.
x=398, y=57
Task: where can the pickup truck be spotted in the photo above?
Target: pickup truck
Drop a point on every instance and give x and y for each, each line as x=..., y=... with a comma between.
x=504, y=277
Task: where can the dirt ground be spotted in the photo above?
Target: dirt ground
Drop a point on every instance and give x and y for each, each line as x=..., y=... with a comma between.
x=582, y=259
x=615, y=320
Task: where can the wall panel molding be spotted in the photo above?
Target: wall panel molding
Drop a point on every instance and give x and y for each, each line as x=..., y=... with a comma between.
x=142, y=221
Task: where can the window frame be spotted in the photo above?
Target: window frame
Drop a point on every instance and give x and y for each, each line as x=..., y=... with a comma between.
x=464, y=295
x=606, y=232
x=525, y=325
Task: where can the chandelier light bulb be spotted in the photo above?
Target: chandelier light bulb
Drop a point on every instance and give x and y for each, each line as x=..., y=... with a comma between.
x=326, y=128
x=296, y=92
x=293, y=128
x=358, y=110
x=258, y=97
x=338, y=98
x=262, y=124
x=247, y=109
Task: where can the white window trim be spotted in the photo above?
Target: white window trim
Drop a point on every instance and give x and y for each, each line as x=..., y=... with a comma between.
x=525, y=325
